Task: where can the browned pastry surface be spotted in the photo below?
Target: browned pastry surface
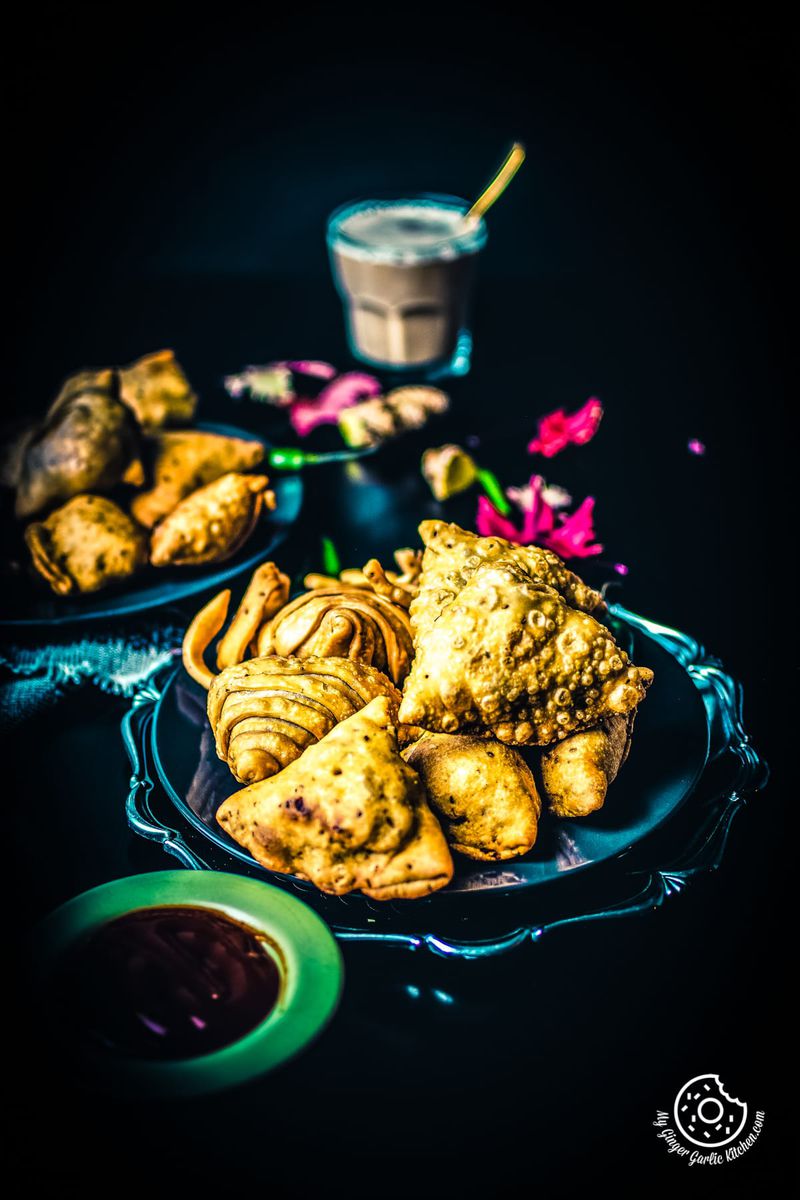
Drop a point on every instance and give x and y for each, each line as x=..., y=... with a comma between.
x=483, y=792
x=86, y=544
x=210, y=525
x=157, y=392
x=185, y=460
x=353, y=623
x=576, y=773
x=349, y=815
x=266, y=711
x=87, y=442
x=508, y=655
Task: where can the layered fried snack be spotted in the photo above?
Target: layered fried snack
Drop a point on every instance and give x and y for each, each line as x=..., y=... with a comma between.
x=187, y=460
x=343, y=622
x=576, y=773
x=400, y=410
x=483, y=792
x=266, y=594
x=266, y=711
x=452, y=555
x=87, y=442
x=157, y=392
x=211, y=524
x=400, y=586
x=349, y=815
x=86, y=544
x=508, y=655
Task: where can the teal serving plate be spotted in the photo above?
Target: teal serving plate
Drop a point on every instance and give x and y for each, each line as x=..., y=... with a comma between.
x=308, y=958
x=29, y=602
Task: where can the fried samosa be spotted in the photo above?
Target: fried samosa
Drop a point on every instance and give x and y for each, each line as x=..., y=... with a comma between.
x=187, y=460
x=86, y=544
x=483, y=792
x=343, y=622
x=349, y=815
x=213, y=523
x=508, y=655
x=576, y=773
x=452, y=555
x=266, y=711
x=157, y=392
x=88, y=442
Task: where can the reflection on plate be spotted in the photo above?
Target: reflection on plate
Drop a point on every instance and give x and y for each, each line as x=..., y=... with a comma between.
x=31, y=603
x=667, y=757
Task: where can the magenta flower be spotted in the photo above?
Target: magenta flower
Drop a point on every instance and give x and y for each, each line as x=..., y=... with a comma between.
x=573, y=537
x=695, y=446
x=558, y=430
x=570, y=535
x=348, y=389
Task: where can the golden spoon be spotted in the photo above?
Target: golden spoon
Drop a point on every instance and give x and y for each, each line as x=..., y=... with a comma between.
x=513, y=161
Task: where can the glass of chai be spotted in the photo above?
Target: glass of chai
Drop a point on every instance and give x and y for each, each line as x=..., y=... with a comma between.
x=404, y=269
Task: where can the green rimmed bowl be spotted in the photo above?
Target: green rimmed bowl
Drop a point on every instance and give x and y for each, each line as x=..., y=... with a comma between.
x=309, y=960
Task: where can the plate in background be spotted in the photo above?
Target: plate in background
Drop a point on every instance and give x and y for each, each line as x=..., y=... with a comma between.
x=29, y=602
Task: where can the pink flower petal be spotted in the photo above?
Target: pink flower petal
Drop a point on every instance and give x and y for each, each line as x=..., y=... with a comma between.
x=621, y=569
x=308, y=366
x=573, y=537
x=348, y=389
x=696, y=447
x=558, y=430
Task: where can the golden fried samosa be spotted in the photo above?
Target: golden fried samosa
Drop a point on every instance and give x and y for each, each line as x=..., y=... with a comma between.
x=266, y=711
x=213, y=523
x=452, y=555
x=88, y=442
x=86, y=544
x=576, y=773
x=157, y=392
x=349, y=815
x=508, y=655
x=187, y=460
x=483, y=793
x=344, y=622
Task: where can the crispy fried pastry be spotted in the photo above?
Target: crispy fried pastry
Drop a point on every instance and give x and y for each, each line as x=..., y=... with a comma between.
x=157, y=392
x=349, y=815
x=266, y=595
x=508, y=655
x=343, y=622
x=87, y=442
x=576, y=773
x=86, y=544
x=187, y=460
x=483, y=792
x=405, y=579
x=452, y=555
x=266, y=711
x=211, y=524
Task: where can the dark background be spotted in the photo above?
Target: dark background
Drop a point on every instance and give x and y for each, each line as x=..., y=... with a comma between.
x=171, y=173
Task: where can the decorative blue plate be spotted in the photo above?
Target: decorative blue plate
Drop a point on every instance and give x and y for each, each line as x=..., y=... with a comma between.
x=34, y=604
x=673, y=802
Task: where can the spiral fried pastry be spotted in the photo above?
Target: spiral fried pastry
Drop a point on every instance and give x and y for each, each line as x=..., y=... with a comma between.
x=264, y=712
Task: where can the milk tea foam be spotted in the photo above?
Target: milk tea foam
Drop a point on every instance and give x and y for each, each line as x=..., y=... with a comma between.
x=404, y=270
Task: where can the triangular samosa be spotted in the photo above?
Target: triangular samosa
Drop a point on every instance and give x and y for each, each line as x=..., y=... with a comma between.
x=508, y=655
x=184, y=461
x=348, y=815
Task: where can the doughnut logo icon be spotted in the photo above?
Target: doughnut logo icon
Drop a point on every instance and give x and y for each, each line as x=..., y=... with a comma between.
x=706, y=1115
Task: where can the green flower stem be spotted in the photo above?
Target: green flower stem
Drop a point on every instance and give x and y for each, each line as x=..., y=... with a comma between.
x=491, y=485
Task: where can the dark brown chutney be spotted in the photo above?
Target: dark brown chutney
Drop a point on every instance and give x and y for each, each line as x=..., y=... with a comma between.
x=166, y=983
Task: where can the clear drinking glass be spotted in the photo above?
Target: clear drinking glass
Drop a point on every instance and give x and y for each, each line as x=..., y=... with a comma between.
x=404, y=268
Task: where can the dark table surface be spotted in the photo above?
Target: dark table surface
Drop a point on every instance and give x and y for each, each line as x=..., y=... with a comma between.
x=657, y=293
